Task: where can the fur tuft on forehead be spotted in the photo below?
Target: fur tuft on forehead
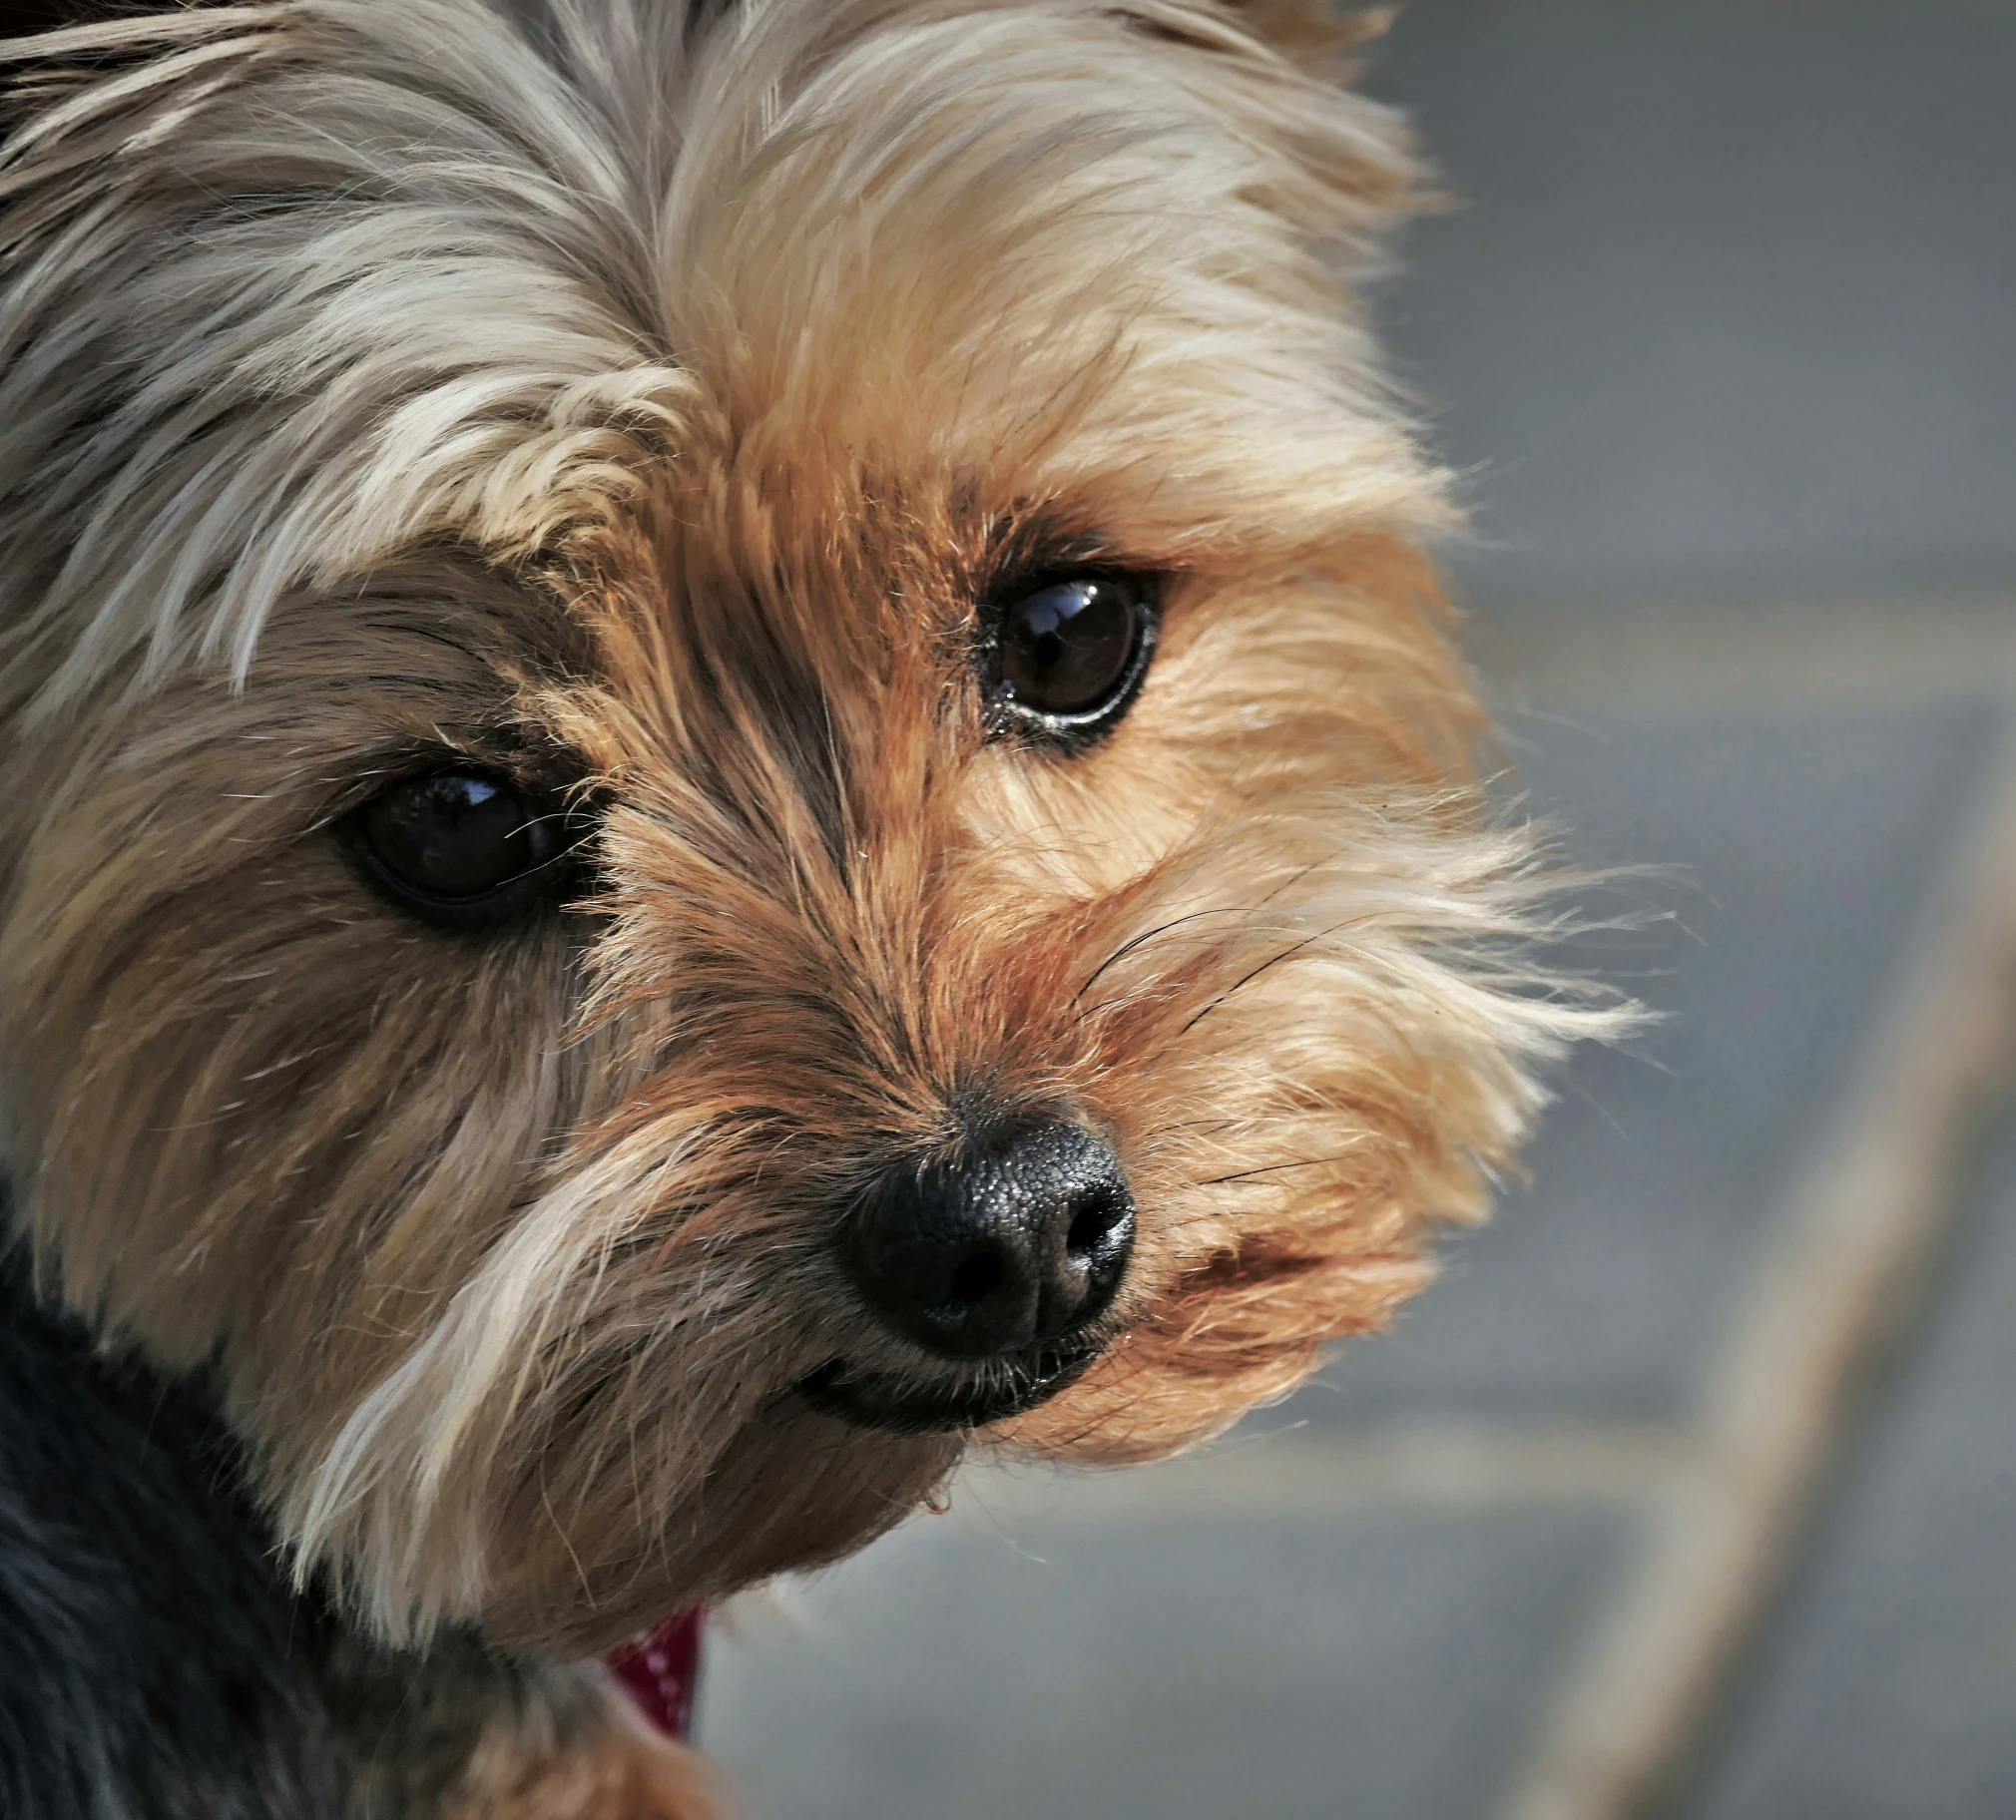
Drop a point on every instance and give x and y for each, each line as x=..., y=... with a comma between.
x=651, y=410
x=467, y=271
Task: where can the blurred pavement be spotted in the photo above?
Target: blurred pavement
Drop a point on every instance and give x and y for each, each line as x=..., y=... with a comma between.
x=1690, y=1493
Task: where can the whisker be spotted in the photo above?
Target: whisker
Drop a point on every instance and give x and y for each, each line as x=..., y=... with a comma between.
x=1128, y=947
x=1241, y=985
x=1306, y=1162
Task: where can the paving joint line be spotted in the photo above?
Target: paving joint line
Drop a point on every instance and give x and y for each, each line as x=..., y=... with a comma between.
x=1299, y=1475
x=1848, y=1242
x=1863, y=653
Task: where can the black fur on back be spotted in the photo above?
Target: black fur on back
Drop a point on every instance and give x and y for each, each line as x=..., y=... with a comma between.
x=154, y=1662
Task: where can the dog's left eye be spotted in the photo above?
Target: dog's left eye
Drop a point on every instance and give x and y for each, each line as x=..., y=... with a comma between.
x=1072, y=655
x=461, y=847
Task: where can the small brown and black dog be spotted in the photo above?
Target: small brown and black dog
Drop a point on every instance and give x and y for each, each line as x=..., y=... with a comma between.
x=726, y=766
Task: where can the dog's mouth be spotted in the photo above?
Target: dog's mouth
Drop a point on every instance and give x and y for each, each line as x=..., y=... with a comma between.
x=896, y=1406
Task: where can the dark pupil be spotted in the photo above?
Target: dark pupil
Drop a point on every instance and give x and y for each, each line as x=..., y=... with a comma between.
x=454, y=833
x=1063, y=648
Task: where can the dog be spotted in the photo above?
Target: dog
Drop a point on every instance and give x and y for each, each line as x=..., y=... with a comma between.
x=729, y=765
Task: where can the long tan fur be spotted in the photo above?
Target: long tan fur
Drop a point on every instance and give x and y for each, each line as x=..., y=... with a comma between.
x=639, y=397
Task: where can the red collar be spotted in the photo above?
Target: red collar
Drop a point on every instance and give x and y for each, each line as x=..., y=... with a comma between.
x=662, y=1671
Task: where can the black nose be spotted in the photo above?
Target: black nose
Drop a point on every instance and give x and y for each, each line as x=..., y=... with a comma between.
x=1015, y=1242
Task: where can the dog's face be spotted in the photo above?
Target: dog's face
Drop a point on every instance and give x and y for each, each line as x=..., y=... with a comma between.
x=725, y=763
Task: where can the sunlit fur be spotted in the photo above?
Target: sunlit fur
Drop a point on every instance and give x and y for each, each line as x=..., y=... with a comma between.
x=641, y=398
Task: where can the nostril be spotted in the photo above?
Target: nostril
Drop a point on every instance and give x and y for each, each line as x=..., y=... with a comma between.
x=1092, y=1225
x=976, y=1277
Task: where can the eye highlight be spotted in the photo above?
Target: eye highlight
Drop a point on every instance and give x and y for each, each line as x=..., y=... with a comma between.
x=1070, y=655
x=463, y=848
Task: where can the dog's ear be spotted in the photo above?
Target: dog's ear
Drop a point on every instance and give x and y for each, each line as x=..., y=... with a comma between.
x=1319, y=35
x=1302, y=55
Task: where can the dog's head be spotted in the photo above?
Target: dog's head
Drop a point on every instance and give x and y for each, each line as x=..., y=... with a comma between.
x=726, y=761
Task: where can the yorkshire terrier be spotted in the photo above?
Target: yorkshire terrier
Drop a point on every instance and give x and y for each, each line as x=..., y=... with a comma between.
x=727, y=768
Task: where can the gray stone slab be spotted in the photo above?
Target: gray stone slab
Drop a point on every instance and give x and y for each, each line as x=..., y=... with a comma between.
x=1890, y=1691
x=1725, y=303
x=1381, y=1666
x=1807, y=841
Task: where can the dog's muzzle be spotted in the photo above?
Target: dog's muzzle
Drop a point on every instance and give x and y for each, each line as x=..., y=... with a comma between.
x=1000, y=1259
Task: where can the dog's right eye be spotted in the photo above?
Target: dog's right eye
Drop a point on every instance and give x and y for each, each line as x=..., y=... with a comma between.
x=464, y=848
x=1070, y=655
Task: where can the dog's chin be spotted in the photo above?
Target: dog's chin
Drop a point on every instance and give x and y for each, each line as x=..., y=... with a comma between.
x=897, y=1405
